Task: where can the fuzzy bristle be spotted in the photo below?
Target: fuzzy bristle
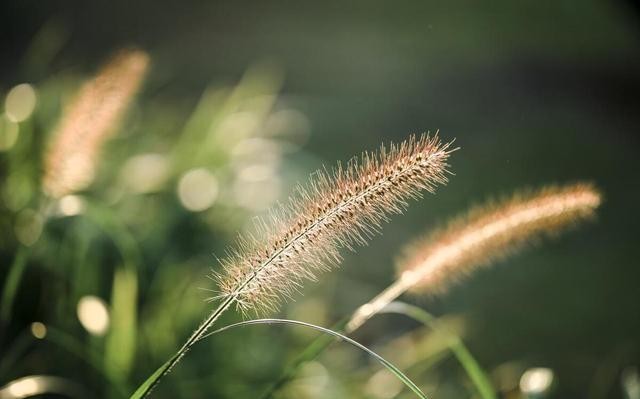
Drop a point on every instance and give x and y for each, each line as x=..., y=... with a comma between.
x=339, y=209
x=493, y=231
x=88, y=121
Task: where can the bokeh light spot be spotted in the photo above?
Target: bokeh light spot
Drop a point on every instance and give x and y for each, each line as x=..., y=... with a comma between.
x=198, y=189
x=536, y=380
x=93, y=314
x=71, y=205
x=20, y=102
x=145, y=173
x=38, y=330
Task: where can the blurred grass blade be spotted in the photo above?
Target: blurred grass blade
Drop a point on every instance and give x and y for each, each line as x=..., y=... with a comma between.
x=399, y=374
x=145, y=387
x=12, y=282
x=457, y=347
x=121, y=341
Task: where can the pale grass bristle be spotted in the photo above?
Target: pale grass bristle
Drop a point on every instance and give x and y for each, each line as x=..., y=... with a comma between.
x=485, y=234
x=89, y=120
x=492, y=232
x=338, y=209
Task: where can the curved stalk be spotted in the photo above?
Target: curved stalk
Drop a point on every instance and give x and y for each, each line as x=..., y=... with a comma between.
x=396, y=371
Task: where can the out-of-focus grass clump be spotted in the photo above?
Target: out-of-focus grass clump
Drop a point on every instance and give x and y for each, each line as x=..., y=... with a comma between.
x=102, y=234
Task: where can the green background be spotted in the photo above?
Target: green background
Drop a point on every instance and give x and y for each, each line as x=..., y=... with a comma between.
x=533, y=92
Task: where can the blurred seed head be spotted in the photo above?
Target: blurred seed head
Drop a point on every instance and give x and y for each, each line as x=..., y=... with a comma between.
x=491, y=232
x=88, y=121
x=485, y=234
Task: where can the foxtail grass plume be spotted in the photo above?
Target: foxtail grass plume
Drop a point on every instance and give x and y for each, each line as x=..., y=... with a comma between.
x=485, y=234
x=337, y=209
x=88, y=121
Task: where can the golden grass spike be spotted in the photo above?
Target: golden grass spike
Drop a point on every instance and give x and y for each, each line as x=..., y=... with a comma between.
x=336, y=210
x=492, y=232
x=482, y=236
x=89, y=120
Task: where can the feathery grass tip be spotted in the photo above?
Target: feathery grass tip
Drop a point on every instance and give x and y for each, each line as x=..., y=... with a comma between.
x=480, y=237
x=337, y=209
x=492, y=232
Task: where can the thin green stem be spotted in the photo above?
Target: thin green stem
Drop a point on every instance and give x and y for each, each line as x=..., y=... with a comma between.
x=155, y=378
x=396, y=371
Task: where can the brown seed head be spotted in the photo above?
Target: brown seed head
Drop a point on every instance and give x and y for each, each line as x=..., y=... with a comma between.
x=337, y=209
x=493, y=231
x=88, y=121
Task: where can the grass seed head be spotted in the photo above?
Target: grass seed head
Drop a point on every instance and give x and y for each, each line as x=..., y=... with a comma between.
x=88, y=121
x=338, y=209
x=493, y=231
